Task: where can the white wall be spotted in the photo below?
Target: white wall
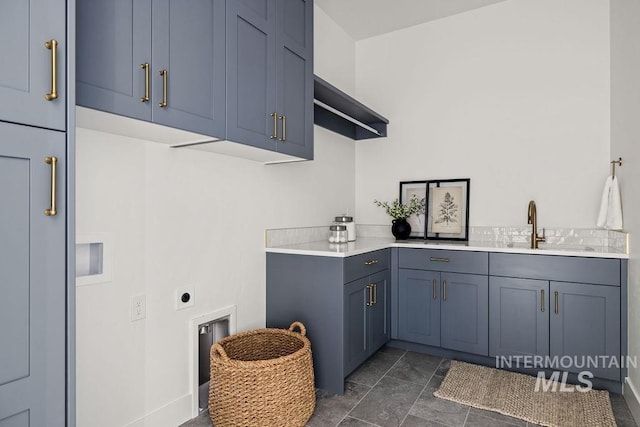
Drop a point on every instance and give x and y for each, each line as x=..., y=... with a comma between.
x=110, y=351
x=625, y=136
x=337, y=52
x=514, y=96
x=187, y=217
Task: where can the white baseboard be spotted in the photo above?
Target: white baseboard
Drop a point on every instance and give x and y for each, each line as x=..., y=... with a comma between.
x=633, y=400
x=171, y=415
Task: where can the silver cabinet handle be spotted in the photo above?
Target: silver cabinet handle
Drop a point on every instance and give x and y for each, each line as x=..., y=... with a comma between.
x=542, y=300
x=164, y=75
x=371, y=262
x=435, y=289
x=436, y=259
x=375, y=294
x=145, y=68
x=274, y=116
x=444, y=290
x=283, y=118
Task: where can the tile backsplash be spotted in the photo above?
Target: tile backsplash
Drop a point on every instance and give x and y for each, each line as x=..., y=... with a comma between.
x=595, y=238
x=292, y=236
x=501, y=236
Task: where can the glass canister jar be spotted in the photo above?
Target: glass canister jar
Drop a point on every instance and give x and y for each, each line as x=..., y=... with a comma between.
x=337, y=234
x=349, y=223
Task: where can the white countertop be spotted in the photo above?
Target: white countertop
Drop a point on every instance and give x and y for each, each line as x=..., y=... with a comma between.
x=368, y=244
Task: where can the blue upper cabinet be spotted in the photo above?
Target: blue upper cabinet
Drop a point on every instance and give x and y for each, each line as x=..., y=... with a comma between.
x=154, y=60
x=294, y=73
x=188, y=68
x=251, y=58
x=32, y=72
x=239, y=70
x=270, y=75
x=114, y=56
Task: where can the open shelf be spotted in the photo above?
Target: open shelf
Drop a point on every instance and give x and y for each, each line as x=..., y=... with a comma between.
x=340, y=113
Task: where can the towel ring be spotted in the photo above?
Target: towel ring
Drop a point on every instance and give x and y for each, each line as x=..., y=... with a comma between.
x=613, y=166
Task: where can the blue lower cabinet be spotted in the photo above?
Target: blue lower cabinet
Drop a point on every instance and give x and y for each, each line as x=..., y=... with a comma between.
x=33, y=375
x=356, y=295
x=585, y=328
x=519, y=317
x=367, y=318
x=380, y=311
x=343, y=302
x=464, y=313
x=445, y=301
x=419, y=306
x=575, y=326
x=448, y=310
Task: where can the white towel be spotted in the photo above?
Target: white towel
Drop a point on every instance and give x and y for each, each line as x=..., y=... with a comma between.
x=610, y=216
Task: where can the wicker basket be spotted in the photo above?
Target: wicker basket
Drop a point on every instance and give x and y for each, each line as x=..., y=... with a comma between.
x=262, y=378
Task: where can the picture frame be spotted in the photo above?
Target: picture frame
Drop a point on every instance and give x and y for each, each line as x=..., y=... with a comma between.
x=447, y=209
x=417, y=221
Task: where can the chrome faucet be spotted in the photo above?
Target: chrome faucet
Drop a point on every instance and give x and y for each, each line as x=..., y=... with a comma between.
x=532, y=218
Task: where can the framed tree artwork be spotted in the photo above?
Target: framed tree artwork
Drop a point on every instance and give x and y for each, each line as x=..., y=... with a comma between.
x=416, y=221
x=447, y=216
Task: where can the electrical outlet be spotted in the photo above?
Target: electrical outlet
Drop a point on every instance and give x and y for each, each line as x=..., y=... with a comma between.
x=185, y=297
x=138, y=307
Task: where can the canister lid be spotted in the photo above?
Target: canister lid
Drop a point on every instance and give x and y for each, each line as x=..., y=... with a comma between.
x=338, y=227
x=344, y=218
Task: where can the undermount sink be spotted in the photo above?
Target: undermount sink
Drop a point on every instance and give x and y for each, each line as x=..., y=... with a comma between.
x=552, y=247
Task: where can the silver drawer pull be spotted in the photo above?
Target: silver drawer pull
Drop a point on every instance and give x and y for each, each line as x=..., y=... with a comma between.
x=371, y=262
x=439, y=259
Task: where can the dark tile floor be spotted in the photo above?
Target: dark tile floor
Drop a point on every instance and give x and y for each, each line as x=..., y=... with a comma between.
x=395, y=388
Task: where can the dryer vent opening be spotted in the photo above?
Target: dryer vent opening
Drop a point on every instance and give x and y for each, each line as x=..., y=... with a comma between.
x=208, y=334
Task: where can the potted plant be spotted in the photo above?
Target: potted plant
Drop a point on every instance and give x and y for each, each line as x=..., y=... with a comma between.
x=400, y=228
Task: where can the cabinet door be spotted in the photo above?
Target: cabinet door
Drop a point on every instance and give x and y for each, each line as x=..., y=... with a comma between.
x=464, y=319
x=114, y=41
x=251, y=67
x=32, y=278
x=356, y=296
x=380, y=311
x=294, y=54
x=585, y=323
x=518, y=317
x=189, y=43
x=419, y=306
x=26, y=66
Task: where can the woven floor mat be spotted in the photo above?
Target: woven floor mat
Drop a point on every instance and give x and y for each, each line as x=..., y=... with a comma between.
x=515, y=395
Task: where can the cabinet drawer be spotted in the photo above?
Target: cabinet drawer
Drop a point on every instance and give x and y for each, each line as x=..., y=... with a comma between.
x=444, y=260
x=602, y=271
x=358, y=266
